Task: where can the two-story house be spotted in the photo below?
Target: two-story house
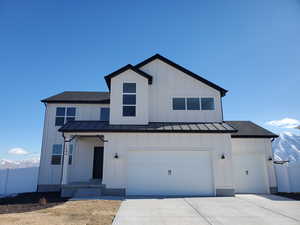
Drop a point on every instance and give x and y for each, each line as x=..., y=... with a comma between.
x=158, y=131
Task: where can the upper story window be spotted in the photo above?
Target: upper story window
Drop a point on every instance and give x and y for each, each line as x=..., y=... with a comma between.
x=104, y=114
x=207, y=104
x=64, y=115
x=129, y=99
x=193, y=104
x=178, y=103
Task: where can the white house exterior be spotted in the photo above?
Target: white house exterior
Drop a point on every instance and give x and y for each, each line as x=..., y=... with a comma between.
x=159, y=131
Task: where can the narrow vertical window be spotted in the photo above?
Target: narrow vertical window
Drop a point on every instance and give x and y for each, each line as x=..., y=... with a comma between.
x=129, y=99
x=193, y=104
x=71, y=151
x=104, y=114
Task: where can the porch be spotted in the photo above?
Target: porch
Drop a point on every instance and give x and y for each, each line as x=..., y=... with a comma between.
x=82, y=167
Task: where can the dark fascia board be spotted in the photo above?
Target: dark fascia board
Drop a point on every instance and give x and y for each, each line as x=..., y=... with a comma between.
x=144, y=131
x=123, y=69
x=254, y=136
x=184, y=70
x=76, y=102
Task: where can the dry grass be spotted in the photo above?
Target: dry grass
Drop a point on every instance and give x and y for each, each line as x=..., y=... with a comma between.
x=83, y=212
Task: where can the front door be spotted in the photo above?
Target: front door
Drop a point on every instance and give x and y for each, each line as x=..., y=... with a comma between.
x=98, y=163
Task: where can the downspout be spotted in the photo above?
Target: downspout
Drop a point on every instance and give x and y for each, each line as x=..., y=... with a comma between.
x=62, y=161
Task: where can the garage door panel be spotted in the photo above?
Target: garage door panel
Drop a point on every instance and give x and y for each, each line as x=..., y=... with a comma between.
x=250, y=174
x=169, y=173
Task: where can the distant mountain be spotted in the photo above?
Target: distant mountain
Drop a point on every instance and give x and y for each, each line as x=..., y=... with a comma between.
x=24, y=163
x=287, y=147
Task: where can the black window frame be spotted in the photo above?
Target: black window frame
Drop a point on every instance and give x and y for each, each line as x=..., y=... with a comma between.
x=102, y=114
x=129, y=87
x=190, y=105
x=175, y=107
x=64, y=115
x=129, y=100
x=213, y=103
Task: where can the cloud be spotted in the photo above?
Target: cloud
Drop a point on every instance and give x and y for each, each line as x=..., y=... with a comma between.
x=284, y=123
x=18, y=151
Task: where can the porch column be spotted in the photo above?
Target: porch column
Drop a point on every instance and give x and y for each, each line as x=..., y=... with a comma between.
x=65, y=164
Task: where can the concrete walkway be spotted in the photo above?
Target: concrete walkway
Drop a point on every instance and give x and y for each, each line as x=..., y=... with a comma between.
x=239, y=210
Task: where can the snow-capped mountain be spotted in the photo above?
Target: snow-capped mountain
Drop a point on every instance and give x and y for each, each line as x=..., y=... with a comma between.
x=24, y=163
x=287, y=147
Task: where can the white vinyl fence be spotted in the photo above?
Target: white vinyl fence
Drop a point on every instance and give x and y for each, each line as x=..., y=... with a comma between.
x=288, y=177
x=18, y=180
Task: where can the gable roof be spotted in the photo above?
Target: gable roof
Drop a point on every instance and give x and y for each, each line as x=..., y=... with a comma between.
x=248, y=129
x=184, y=70
x=79, y=97
x=123, y=69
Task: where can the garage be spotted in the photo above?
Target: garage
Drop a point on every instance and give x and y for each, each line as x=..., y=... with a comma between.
x=167, y=172
x=250, y=173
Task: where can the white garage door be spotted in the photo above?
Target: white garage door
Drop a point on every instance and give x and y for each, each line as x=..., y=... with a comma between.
x=169, y=173
x=250, y=173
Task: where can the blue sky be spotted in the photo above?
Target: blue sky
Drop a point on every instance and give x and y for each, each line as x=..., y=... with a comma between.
x=250, y=48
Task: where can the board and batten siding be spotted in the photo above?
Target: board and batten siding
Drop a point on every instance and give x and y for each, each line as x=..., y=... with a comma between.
x=168, y=82
x=50, y=174
x=116, y=98
x=115, y=170
x=256, y=146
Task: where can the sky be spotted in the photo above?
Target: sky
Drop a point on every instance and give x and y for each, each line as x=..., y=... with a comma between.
x=251, y=48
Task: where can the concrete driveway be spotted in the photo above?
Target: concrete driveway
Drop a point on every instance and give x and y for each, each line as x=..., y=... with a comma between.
x=239, y=210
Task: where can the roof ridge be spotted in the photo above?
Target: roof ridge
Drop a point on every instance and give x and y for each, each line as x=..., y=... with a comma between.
x=184, y=70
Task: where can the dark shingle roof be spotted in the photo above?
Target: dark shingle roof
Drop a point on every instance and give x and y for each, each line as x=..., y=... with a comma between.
x=248, y=129
x=79, y=97
x=154, y=127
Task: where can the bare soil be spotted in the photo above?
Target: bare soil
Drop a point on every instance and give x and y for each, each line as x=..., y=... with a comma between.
x=29, y=209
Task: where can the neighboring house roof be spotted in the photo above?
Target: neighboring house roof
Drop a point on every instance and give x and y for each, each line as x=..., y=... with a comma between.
x=184, y=70
x=152, y=127
x=248, y=129
x=125, y=68
x=79, y=97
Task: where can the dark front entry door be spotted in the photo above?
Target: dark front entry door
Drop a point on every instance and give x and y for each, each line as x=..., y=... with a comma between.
x=98, y=163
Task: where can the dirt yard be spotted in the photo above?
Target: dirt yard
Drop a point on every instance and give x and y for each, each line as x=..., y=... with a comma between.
x=59, y=212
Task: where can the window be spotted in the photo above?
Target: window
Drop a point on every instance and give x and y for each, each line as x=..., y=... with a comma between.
x=207, y=104
x=56, y=154
x=193, y=103
x=129, y=88
x=129, y=99
x=64, y=115
x=178, y=103
x=104, y=114
x=70, y=154
x=128, y=110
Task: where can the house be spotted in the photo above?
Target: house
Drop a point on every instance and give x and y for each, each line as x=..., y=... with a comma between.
x=158, y=131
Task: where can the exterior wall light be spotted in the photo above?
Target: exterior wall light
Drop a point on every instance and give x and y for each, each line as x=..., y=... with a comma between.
x=222, y=156
x=116, y=156
x=270, y=158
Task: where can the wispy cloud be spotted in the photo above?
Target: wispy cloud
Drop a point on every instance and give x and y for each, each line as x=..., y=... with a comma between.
x=18, y=151
x=284, y=123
